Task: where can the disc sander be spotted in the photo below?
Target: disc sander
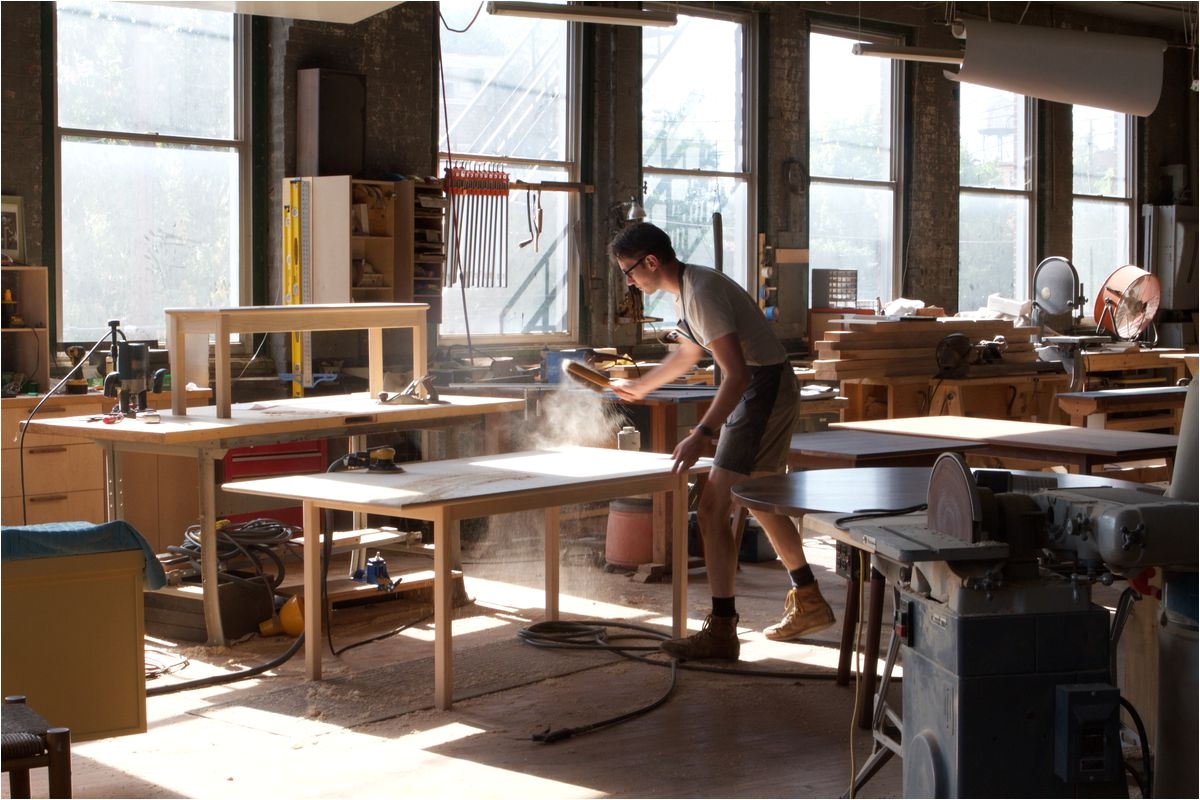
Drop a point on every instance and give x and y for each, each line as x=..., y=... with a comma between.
x=955, y=507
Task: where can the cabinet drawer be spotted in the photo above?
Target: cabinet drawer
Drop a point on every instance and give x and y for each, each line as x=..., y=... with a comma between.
x=53, y=468
x=11, y=419
x=265, y=460
x=85, y=506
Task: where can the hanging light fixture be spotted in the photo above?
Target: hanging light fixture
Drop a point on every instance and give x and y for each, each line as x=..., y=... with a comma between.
x=1117, y=72
x=576, y=13
x=930, y=54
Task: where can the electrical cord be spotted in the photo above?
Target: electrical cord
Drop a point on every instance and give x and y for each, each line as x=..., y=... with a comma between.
x=594, y=635
x=216, y=680
x=873, y=513
x=1145, y=781
x=346, y=462
x=858, y=665
x=253, y=541
x=157, y=665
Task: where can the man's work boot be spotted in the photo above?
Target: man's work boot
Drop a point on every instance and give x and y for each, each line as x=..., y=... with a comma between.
x=718, y=639
x=804, y=611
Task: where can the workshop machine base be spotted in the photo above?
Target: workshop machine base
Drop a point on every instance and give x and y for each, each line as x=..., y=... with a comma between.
x=1008, y=705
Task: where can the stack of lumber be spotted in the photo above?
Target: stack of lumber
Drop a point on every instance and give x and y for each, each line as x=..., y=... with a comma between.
x=887, y=347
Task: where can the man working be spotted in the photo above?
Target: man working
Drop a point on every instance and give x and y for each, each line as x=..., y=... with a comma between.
x=755, y=407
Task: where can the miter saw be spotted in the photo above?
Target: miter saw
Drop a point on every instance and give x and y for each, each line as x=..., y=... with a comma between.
x=1009, y=685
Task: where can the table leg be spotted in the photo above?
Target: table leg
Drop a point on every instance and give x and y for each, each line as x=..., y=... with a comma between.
x=114, y=502
x=850, y=617
x=553, y=532
x=866, y=683
x=209, y=566
x=313, y=609
x=445, y=540
x=679, y=555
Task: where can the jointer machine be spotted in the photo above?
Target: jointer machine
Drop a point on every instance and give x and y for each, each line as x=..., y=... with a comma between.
x=1009, y=670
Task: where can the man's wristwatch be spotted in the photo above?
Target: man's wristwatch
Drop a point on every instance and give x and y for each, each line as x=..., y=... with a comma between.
x=706, y=431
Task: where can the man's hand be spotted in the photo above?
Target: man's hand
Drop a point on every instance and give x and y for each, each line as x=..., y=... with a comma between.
x=688, y=451
x=629, y=390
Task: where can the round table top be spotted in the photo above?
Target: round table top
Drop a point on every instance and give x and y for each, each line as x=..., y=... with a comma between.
x=850, y=490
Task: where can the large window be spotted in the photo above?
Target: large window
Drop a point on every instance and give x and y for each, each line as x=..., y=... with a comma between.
x=1102, y=206
x=995, y=195
x=509, y=108
x=696, y=143
x=854, y=163
x=151, y=145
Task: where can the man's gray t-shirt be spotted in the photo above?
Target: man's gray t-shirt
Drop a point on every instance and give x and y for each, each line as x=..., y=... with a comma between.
x=713, y=305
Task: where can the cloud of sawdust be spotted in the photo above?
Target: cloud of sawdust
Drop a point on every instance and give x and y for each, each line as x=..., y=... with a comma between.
x=570, y=417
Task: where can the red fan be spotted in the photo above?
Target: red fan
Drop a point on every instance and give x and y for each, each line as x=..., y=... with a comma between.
x=1127, y=302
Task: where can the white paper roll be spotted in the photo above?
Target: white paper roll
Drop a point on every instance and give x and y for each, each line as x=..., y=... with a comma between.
x=1102, y=70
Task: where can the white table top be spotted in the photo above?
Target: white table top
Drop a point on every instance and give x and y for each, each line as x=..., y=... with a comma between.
x=426, y=483
x=334, y=415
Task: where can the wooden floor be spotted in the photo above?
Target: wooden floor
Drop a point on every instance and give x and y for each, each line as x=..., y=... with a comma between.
x=718, y=734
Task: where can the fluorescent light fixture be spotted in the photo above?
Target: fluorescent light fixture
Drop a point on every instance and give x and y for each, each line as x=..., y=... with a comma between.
x=909, y=53
x=575, y=13
x=345, y=13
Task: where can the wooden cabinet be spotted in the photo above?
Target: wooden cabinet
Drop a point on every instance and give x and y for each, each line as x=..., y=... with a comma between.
x=50, y=478
x=25, y=332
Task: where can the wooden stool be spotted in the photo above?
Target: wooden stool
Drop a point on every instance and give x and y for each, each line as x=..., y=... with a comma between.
x=28, y=741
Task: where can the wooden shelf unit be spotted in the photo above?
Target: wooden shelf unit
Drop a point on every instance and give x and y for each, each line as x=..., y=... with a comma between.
x=26, y=333
x=357, y=241
x=427, y=213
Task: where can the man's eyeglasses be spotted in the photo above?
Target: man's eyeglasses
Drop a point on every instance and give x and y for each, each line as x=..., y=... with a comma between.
x=635, y=265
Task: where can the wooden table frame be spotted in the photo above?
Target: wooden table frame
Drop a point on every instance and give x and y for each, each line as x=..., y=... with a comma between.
x=206, y=436
x=446, y=492
x=220, y=323
x=1080, y=449
x=853, y=448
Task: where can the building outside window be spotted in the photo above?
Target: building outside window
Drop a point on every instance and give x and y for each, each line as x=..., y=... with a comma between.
x=151, y=145
x=995, y=197
x=511, y=105
x=854, y=158
x=697, y=152
x=1103, y=218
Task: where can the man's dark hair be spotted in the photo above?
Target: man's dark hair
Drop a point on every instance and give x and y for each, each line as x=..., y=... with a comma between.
x=642, y=239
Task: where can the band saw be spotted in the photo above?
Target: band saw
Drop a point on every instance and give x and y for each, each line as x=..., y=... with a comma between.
x=1009, y=679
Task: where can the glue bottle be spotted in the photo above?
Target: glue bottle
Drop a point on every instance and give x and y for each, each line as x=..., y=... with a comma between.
x=629, y=438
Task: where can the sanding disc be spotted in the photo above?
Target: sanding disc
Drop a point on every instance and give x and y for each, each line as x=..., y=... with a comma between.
x=954, y=504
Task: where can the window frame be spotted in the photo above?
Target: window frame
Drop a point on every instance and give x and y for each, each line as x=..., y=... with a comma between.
x=1024, y=277
x=893, y=277
x=1128, y=200
x=242, y=143
x=574, y=205
x=748, y=174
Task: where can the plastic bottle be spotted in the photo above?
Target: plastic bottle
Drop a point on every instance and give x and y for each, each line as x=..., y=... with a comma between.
x=629, y=438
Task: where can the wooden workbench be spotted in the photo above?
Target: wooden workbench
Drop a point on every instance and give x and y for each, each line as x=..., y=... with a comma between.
x=206, y=435
x=1157, y=407
x=445, y=492
x=1148, y=361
